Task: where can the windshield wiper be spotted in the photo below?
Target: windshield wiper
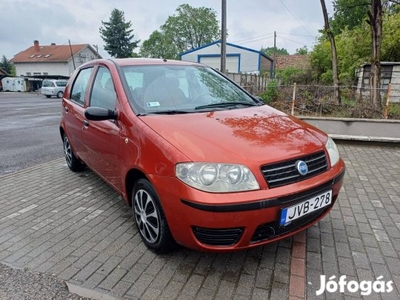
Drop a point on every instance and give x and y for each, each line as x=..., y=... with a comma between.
x=224, y=104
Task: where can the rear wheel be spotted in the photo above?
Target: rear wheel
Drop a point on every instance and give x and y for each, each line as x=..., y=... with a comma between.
x=72, y=161
x=150, y=219
x=60, y=94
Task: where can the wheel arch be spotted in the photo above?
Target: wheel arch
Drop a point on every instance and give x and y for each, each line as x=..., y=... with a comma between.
x=62, y=132
x=131, y=178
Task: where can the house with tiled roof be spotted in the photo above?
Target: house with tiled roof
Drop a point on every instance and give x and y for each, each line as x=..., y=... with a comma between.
x=298, y=61
x=52, y=60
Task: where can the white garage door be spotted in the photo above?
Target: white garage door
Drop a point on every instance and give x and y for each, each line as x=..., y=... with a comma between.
x=232, y=63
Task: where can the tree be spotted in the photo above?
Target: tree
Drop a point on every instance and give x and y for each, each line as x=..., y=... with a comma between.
x=188, y=29
x=375, y=22
x=303, y=50
x=159, y=46
x=118, y=36
x=335, y=71
x=390, y=47
x=270, y=51
x=7, y=65
x=348, y=14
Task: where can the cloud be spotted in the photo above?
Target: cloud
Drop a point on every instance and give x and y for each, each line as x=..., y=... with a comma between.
x=250, y=23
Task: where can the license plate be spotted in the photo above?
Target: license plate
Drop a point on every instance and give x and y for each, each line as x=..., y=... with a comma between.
x=299, y=210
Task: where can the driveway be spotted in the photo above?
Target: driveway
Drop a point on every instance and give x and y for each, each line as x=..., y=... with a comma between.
x=76, y=228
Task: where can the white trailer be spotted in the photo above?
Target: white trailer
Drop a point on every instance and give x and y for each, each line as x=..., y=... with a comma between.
x=13, y=84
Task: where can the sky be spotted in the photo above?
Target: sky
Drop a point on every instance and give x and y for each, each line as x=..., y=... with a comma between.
x=250, y=23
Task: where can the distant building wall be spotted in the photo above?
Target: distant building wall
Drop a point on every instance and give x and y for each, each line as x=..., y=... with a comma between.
x=31, y=69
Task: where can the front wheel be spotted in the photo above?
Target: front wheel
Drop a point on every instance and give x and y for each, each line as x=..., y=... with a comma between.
x=60, y=94
x=150, y=219
x=48, y=96
x=72, y=161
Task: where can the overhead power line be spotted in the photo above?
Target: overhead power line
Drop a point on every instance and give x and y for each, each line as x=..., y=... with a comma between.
x=294, y=16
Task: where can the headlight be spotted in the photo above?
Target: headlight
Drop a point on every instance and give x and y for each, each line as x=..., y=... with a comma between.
x=332, y=151
x=217, y=177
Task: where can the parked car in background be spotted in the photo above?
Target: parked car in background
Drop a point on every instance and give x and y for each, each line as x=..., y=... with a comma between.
x=53, y=87
x=201, y=162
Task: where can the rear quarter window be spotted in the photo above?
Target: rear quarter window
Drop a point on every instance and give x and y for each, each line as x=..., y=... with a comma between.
x=47, y=83
x=61, y=83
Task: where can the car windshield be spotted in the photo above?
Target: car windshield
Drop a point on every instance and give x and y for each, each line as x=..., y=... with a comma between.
x=181, y=89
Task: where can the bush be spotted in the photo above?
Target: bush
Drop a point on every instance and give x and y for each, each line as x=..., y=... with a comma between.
x=271, y=93
x=291, y=75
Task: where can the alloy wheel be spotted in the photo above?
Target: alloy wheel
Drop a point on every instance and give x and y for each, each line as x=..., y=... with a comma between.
x=146, y=216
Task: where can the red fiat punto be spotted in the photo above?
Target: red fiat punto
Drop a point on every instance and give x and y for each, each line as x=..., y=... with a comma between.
x=201, y=162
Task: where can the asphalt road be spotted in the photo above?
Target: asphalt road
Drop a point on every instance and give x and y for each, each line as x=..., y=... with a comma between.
x=29, y=132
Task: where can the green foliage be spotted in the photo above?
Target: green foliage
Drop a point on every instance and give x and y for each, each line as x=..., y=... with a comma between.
x=7, y=65
x=354, y=49
x=394, y=110
x=321, y=60
x=291, y=75
x=327, y=77
x=391, y=37
x=188, y=29
x=271, y=93
x=348, y=14
x=118, y=36
x=303, y=50
x=158, y=45
x=270, y=51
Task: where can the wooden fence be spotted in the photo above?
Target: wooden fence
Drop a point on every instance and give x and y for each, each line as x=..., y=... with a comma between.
x=255, y=84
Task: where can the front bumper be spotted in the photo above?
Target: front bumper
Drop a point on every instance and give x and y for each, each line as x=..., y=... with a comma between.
x=226, y=222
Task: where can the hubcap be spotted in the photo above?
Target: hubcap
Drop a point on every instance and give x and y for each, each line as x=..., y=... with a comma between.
x=67, y=151
x=146, y=216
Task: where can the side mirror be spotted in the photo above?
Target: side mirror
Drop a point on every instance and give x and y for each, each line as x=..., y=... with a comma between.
x=100, y=114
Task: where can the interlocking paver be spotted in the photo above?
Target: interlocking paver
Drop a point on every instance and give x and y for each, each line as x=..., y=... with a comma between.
x=76, y=227
x=363, y=221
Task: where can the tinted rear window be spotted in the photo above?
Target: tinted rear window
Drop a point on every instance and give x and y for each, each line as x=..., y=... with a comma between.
x=47, y=83
x=61, y=83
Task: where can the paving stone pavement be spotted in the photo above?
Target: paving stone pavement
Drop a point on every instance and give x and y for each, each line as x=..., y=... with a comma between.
x=76, y=228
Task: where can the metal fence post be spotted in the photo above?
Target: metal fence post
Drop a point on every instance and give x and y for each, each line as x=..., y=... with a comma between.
x=293, y=98
x=387, y=101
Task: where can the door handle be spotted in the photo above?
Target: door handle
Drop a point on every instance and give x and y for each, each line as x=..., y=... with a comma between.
x=66, y=109
x=85, y=123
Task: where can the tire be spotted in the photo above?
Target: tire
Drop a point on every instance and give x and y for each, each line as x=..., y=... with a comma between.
x=60, y=94
x=48, y=96
x=73, y=162
x=150, y=218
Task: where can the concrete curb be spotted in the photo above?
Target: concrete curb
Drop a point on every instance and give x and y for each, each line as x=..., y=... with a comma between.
x=362, y=130
x=358, y=138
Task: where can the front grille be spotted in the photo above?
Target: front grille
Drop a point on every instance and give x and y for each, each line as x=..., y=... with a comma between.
x=272, y=230
x=284, y=173
x=218, y=237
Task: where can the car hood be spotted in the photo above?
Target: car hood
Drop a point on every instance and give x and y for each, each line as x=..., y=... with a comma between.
x=258, y=134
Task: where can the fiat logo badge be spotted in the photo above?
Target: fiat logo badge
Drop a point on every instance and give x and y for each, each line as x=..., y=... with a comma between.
x=302, y=167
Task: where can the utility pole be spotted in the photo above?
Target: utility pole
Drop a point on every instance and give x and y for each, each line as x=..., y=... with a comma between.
x=72, y=54
x=223, y=37
x=274, y=56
